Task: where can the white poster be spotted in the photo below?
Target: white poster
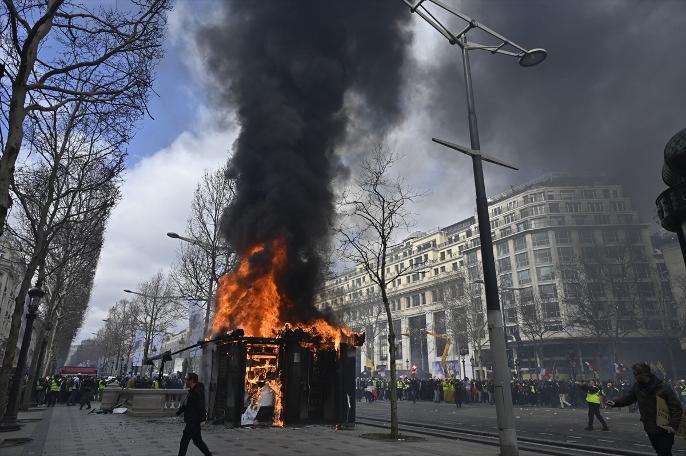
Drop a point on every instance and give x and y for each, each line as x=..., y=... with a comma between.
x=178, y=365
x=138, y=348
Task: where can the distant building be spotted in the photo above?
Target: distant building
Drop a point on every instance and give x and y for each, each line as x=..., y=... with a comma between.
x=12, y=269
x=174, y=342
x=562, y=244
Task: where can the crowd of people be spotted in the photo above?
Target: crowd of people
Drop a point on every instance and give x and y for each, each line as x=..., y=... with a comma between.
x=69, y=390
x=531, y=392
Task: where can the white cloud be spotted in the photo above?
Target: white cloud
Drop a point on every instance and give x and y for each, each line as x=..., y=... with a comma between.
x=156, y=198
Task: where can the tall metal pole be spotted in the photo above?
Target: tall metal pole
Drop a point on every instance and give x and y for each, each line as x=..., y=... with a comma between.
x=496, y=332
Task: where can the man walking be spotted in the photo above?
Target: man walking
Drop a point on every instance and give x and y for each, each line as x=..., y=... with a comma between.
x=645, y=391
x=193, y=409
x=593, y=400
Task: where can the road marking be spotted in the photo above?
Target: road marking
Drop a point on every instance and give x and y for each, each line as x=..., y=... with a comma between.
x=603, y=440
x=640, y=444
x=544, y=433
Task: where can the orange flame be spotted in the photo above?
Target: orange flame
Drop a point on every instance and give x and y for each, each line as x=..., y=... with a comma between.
x=249, y=298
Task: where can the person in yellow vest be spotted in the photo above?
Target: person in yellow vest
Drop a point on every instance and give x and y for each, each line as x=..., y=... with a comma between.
x=101, y=388
x=54, y=390
x=156, y=384
x=593, y=399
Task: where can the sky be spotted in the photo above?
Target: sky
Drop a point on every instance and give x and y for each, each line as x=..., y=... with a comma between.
x=606, y=100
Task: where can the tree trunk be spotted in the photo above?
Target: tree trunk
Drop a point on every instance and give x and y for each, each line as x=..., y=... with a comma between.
x=11, y=348
x=15, y=127
x=391, y=349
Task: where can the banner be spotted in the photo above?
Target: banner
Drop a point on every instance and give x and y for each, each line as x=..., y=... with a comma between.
x=196, y=326
x=138, y=349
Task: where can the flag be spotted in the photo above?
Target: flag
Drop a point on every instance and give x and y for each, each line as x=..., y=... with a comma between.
x=592, y=368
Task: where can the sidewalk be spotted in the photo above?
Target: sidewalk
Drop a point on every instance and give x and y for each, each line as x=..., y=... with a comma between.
x=68, y=431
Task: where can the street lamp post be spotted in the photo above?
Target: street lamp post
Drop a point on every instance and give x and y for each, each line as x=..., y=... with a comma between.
x=530, y=57
x=205, y=350
x=9, y=420
x=464, y=352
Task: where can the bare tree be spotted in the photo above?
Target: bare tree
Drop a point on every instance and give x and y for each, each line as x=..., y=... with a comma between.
x=72, y=182
x=366, y=313
x=372, y=213
x=604, y=292
x=535, y=323
x=204, y=260
x=59, y=52
x=156, y=308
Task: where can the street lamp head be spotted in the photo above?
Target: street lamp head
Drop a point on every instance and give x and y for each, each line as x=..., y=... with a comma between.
x=36, y=293
x=173, y=235
x=533, y=57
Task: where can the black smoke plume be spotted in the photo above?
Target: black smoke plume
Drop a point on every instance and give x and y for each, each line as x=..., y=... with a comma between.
x=287, y=69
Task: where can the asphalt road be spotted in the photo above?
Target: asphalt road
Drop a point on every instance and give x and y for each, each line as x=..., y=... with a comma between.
x=566, y=425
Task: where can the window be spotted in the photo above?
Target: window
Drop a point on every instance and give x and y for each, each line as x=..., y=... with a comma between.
x=496, y=211
x=509, y=218
x=415, y=300
x=512, y=204
x=441, y=256
x=540, y=239
x=618, y=206
x=566, y=194
x=551, y=310
x=538, y=223
x=638, y=253
x=522, y=260
x=511, y=315
x=610, y=236
x=542, y=256
x=554, y=208
x=565, y=254
x=504, y=264
x=520, y=243
x=588, y=194
x=586, y=236
x=523, y=277
x=625, y=218
x=557, y=220
x=633, y=236
x=547, y=291
x=595, y=206
x=573, y=207
x=471, y=258
x=523, y=226
x=563, y=237
x=545, y=273
x=641, y=270
x=505, y=280
x=506, y=231
x=601, y=219
x=503, y=248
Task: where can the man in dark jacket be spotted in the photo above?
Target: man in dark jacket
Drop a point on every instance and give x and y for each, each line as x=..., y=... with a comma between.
x=193, y=409
x=645, y=391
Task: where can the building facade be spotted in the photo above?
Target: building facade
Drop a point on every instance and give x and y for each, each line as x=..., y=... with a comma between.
x=579, y=286
x=11, y=274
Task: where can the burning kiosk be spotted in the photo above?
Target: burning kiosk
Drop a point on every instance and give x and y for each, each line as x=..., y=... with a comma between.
x=312, y=381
